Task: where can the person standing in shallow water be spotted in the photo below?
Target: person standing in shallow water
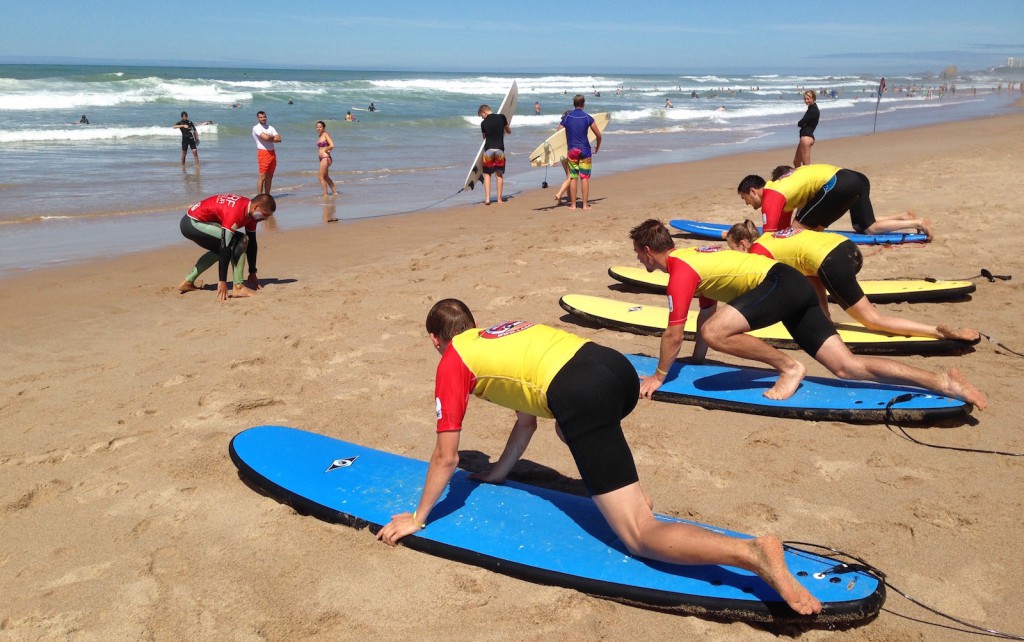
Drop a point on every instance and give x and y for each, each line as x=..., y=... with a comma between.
x=324, y=145
x=189, y=137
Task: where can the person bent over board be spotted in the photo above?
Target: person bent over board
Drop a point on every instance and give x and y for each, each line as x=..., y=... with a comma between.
x=540, y=371
x=831, y=263
x=816, y=196
x=758, y=292
x=225, y=225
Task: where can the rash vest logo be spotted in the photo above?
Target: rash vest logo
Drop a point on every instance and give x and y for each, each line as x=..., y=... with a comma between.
x=505, y=329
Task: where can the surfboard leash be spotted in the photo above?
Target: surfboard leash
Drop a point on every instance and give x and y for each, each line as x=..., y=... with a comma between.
x=866, y=567
x=893, y=426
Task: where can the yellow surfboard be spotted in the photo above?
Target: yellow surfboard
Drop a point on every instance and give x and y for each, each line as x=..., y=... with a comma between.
x=555, y=148
x=641, y=318
x=885, y=291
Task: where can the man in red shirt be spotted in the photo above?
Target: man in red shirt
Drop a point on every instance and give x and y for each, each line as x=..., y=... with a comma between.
x=217, y=225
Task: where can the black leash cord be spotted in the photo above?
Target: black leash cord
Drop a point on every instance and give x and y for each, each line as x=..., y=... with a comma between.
x=891, y=424
x=880, y=575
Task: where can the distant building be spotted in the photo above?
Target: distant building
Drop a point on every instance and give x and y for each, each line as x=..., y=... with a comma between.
x=1014, y=62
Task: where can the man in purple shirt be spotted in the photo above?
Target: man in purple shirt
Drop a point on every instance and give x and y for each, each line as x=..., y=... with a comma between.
x=577, y=125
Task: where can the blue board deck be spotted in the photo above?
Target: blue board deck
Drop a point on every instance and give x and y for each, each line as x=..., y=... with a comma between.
x=741, y=389
x=532, y=533
x=716, y=231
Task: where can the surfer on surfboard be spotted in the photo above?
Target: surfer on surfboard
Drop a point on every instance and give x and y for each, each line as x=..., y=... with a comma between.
x=759, y=292
x=588, y=389
x=831, y=259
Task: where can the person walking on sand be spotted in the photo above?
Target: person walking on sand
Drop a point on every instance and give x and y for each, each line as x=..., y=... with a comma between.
x=577, y=125
x=324, y=145
x=540, y=371
x=758, y=292
x=807, y=126
x=265, y=137
x=225, y=226
x=493, y=128
x=189, y=137
x=832, y=261
x=818, y=195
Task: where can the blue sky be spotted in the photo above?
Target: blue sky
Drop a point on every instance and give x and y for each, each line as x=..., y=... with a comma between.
x=870, y=36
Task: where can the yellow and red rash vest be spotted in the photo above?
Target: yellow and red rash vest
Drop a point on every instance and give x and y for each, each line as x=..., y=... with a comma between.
x=791, y=192
x=510, y=364
x=802, y=249
x=715, y=273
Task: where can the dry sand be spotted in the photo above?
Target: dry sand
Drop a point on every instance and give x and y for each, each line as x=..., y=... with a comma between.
x=123, y=517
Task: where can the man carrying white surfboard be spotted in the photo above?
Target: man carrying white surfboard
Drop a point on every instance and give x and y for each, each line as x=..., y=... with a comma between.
x=493, y=128
x=577, y=124
x=588, y=389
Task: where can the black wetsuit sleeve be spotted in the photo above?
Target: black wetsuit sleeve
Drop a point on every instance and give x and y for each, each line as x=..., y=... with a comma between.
x=250, y=251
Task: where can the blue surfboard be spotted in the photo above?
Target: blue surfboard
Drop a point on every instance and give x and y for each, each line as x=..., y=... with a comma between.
x=717, y=232
x=741, y=389
x=532, y=533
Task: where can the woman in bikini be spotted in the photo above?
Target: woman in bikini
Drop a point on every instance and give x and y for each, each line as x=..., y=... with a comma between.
x=324, y=145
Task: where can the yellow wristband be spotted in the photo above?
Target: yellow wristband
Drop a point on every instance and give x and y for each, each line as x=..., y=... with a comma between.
x=660, y=371
x=417, y=522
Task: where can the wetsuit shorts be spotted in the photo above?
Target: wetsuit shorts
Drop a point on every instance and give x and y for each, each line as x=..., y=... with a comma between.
x=579, y=165
x=589, y=397
x=846, y=191
x=267, y=161
x=186, y=142
x=838, y=273
x=785, y=295
x=494, y=162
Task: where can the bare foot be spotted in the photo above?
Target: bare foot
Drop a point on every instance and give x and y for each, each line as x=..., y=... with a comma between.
x=586, y=207
x=788, y=382
x=487, y=202
x=188, y=286
x=958, y=334
x=240, y=291
x=957, y=386
x=771, y=566
x=926, y=228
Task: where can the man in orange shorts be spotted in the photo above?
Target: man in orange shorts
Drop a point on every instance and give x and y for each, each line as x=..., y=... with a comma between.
x=265, y=137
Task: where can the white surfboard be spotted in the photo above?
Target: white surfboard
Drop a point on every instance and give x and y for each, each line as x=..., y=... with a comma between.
x=556, y=147
x=508, y=108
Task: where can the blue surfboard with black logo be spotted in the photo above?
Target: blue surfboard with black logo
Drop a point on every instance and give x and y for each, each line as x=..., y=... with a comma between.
x=717, y=232
x=533, y=533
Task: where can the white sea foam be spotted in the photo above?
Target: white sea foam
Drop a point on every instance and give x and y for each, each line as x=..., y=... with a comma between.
x=95, y=133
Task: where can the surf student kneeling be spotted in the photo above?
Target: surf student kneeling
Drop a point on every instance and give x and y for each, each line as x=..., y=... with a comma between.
x=757, y=292
x=540, y=371
x=831, y=263
x=225, y=226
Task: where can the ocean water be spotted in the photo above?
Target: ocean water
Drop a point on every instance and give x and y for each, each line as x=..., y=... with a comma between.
x=69, y=191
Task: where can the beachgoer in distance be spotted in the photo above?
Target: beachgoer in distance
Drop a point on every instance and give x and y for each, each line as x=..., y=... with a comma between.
x=536, y=108
x=493, y=128
x=83, y=120
x=265, y=137
x=807, y=125
x=577, y=123
x=324, y=145
x=225, y=226
x=189, y=137
x=668, y=104
x=756, y=292
x=372, y=107
x=831, y=263
x=540, y=371
x=349, y=117
x=820, y=194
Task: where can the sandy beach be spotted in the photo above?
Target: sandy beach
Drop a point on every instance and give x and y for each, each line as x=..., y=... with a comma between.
x=125, y=519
